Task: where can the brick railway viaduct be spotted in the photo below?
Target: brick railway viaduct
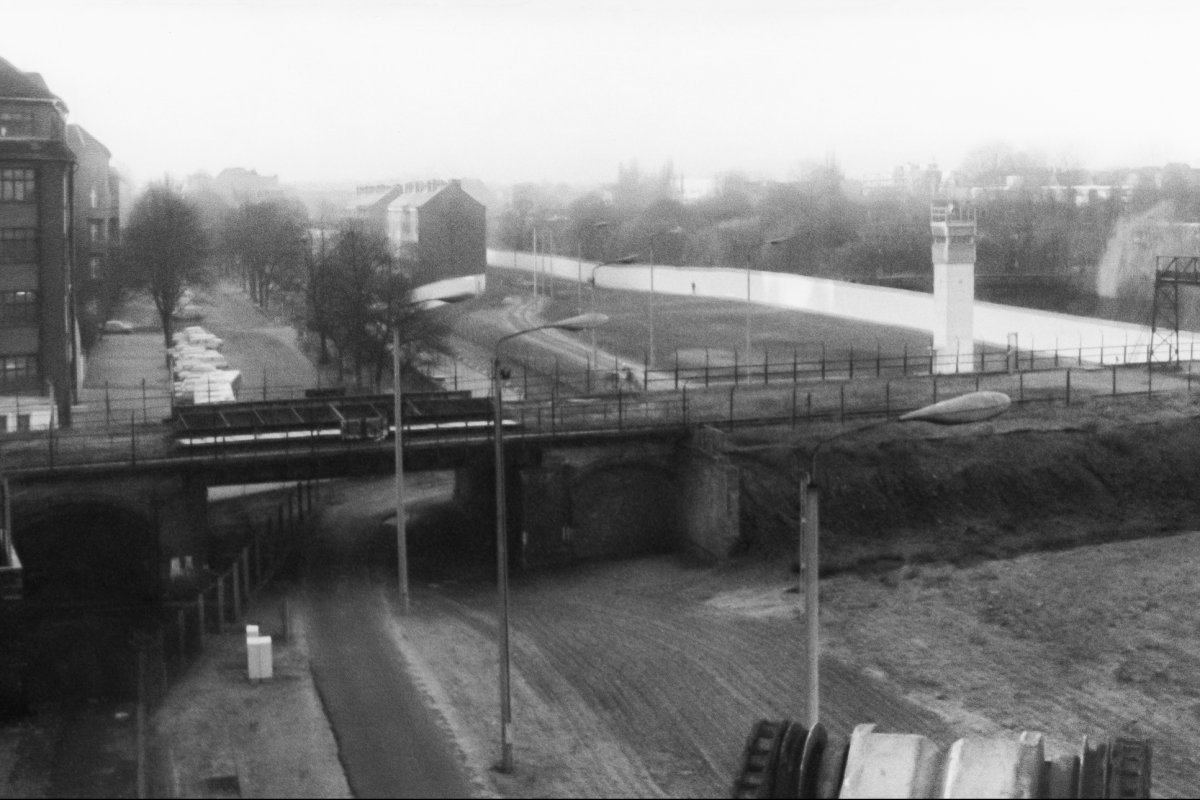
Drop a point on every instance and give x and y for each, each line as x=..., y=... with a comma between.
x=121, y=531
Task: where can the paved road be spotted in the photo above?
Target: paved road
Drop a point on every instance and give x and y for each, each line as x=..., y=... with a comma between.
x=390, y=745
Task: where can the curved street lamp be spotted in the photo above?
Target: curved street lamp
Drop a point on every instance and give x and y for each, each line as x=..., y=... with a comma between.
x=632, y=258
x=596, y=226
x=579, y=322
x=967, y=408
x=750, y=258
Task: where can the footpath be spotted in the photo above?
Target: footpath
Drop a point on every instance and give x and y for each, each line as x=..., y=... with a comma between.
x=216, y=733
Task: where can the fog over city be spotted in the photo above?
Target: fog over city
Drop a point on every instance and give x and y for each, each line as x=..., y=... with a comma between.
x=511, y=90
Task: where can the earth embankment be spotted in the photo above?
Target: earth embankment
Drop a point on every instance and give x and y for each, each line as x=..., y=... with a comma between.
x=1051, y=478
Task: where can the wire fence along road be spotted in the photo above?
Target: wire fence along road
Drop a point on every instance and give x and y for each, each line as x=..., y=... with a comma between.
x=540, y=405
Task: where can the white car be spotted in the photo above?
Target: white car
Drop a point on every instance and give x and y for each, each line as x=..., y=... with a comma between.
x=117, y=326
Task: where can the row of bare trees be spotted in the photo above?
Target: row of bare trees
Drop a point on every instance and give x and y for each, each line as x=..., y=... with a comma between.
x=341, y=285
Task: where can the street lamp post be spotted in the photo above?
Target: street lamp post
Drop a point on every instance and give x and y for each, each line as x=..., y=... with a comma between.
x=971, y=407
x=401, y=523
x=596, y=226
x=577, y=323
x=629, y=259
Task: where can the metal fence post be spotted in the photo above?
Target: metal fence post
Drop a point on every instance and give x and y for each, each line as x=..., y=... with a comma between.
x=1114, y=380
x=220, y=604
x=235, y=586
x=735, y=366
x=904, y=367
x=842, y=404
x=851, y=374
x=732, y=389
x=1068, y=386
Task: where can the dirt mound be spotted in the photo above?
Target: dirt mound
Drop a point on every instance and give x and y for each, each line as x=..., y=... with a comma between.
x=895, y=496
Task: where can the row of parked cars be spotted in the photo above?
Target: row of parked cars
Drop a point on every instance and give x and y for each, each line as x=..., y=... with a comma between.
x=199, y=371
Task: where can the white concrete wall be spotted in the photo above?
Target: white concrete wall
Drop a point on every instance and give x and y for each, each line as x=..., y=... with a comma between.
x=1041, y=330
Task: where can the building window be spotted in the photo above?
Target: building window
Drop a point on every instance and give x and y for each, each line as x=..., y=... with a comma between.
x=18, y=246
x=95, y=231
x=17, y=185
x=95, y=267
x=15, y=124
x=94, y=198
x=18, y=309
x=18, y=369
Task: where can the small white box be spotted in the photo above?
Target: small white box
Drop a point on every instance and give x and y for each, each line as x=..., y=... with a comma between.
x=251, y=630
x=259, y=661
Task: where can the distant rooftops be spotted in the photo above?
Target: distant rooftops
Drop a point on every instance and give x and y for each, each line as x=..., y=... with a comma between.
x=413, y=194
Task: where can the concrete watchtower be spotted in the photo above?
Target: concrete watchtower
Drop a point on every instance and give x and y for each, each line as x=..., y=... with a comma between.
x=953, y=229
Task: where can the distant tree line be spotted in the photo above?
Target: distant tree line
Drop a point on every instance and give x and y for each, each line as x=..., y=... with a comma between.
x=815, y=226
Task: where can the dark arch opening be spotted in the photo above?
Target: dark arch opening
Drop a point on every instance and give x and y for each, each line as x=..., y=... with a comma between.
x=87, y=553
x=624, y=509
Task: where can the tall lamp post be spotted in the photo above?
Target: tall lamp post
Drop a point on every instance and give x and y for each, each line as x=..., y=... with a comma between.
x=971, y=407
x=596, y=226
x=629, y=259
x=577, y=323
x=401, y=523
x=750, y=254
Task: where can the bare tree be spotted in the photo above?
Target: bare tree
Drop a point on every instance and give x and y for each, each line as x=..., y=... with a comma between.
x=165, y=249
x=267, y=240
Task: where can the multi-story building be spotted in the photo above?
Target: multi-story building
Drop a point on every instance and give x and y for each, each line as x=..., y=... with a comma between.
x=439, y=229
x=38, y=351
x=97, y=229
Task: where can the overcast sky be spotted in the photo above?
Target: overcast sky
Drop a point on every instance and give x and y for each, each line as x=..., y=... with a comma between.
x=510, y=90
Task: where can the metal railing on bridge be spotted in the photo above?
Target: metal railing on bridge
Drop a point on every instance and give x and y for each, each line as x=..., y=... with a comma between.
x=561, y=416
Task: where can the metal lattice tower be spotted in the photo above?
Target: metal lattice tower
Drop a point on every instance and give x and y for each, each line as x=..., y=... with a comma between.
x=1170, y=272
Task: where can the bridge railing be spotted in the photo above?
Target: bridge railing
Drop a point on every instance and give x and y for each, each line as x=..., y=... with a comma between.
x=703, y=396
x=119, y=406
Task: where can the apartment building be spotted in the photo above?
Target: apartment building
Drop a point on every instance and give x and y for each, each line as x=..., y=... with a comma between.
x=38, y=340
x=97, y=208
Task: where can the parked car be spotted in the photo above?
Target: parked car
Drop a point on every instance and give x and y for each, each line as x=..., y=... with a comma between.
x=117, y=326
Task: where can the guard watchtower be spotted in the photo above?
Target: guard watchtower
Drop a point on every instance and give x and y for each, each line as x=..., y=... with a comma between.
x=953, y=228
